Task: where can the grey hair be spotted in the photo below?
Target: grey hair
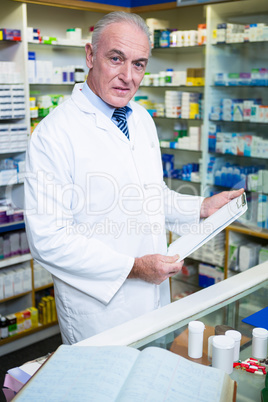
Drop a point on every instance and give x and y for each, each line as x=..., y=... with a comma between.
x=116, y=17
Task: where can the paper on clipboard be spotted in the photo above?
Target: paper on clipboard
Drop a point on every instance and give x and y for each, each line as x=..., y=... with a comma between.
x=215, y=223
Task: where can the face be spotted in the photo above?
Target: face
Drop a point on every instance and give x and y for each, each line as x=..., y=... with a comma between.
x=117, y=68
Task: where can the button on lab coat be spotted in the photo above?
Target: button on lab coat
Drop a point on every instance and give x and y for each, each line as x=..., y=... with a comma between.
x=94, y=201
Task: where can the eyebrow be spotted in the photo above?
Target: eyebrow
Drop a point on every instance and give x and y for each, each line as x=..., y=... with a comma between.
x=116, y=51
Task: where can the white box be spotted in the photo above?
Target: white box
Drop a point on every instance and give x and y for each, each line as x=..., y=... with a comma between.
x=8, y=283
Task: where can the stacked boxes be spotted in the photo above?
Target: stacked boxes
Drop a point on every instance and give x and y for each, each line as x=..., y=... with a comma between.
x=11, y=171
x=195, y=77
x=15, y=281
x=9, y=73
x=19, y=322
x=47, y=310
x=12, y=102
x=239, y=33
x=10, y=34
x=235, y=143
x=184, y=105
x=13, y=138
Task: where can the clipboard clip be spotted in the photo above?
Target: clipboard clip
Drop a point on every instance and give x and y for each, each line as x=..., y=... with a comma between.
x=243, y=201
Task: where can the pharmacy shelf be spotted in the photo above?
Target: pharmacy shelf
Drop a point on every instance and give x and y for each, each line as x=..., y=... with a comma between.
x=251, y=123
x=171, y=87
x=179, y=49
x=9, y=42
x=26, y=333
x=248, y=231
x=52, y=84
x=44, y=287
x=14, y=297
x=237, y=156
x=238, y=86
x=183, y=181
x=181, y=149
x=56, y=45
x=9, y=227
x=175, y=118
x=226, y=188
x=7, y=262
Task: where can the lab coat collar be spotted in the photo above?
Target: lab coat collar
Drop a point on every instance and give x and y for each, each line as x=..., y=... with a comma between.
x=102, y=121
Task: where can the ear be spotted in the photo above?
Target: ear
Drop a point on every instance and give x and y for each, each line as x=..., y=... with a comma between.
x=89, y=55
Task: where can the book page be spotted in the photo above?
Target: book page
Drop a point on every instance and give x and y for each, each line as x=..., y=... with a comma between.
x=78, y=373
x=159, y=375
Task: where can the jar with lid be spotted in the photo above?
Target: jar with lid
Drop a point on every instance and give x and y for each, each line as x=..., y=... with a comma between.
x=79, y=74
x=169, y=75
x=259, y=343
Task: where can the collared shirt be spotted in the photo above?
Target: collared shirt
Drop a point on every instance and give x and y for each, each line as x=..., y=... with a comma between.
x=101, y=105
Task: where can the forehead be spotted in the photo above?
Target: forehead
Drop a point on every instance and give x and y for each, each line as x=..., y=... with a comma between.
x=124, y=37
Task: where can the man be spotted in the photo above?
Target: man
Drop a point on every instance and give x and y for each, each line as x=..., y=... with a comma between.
x=96, y=203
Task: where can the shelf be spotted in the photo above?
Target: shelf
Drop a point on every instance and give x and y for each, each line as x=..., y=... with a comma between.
x=183, y=181
x=239, y=156
x=239, y=86
x=225, y=188
x=166, y=87
x=52, y=83
x=195, y=48
x=176, y=118
x=9, y=227
x=15, y=296
x=181, y=149
x=241, y=43
x=7, y=262
x=257, y=232
x=239, y=122
x=26, y=333
x=44, y=287
x=9, y=42
x=56, y=45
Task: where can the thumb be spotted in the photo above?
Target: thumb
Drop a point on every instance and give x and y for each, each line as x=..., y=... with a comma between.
x=172, y=258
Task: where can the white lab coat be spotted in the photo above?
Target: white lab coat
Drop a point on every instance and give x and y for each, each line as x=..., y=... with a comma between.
x=93, y=202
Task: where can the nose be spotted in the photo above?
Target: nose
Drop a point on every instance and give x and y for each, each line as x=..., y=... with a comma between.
x=126, y=72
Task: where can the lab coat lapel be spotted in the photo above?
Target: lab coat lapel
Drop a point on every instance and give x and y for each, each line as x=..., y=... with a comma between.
x=102, y=122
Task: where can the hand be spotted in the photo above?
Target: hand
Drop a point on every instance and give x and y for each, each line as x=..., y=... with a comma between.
x=155, y=268
x=212, y=204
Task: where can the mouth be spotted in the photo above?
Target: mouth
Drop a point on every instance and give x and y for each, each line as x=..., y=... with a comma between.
x=121, y=90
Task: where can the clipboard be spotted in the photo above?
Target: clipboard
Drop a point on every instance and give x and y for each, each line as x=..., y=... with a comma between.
x=208, y=228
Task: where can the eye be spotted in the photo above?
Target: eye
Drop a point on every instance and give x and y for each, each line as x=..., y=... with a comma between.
x=116, y=60
x=139, y=65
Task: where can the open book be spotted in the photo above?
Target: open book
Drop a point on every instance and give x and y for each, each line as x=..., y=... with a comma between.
x=124, y=374
x=208, y=228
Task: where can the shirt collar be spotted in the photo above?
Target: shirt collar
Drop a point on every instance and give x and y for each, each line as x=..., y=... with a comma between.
x=100, y=104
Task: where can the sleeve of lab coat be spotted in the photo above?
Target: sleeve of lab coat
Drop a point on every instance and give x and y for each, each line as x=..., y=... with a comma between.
x=182, y=211
x=85, y=263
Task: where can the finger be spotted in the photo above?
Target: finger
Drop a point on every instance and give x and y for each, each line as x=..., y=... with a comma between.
x=235, y=193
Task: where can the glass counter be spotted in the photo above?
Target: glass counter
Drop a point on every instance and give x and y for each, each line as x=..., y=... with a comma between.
x=225, y=303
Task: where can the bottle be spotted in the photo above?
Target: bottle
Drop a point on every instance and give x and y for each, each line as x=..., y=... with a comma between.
x=195, y=339
x=223, y=353
x=4, y=327
x=236, y=335
x=169, y=75
x=259, y=343
x=79, y=74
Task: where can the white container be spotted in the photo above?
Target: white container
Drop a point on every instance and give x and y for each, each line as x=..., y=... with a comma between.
x=210, y=347
x=195, y=339
x=223, y=352
x=236, y=335
x=259, y=343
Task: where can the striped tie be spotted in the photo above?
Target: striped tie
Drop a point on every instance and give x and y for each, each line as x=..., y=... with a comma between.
x=120, y=116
